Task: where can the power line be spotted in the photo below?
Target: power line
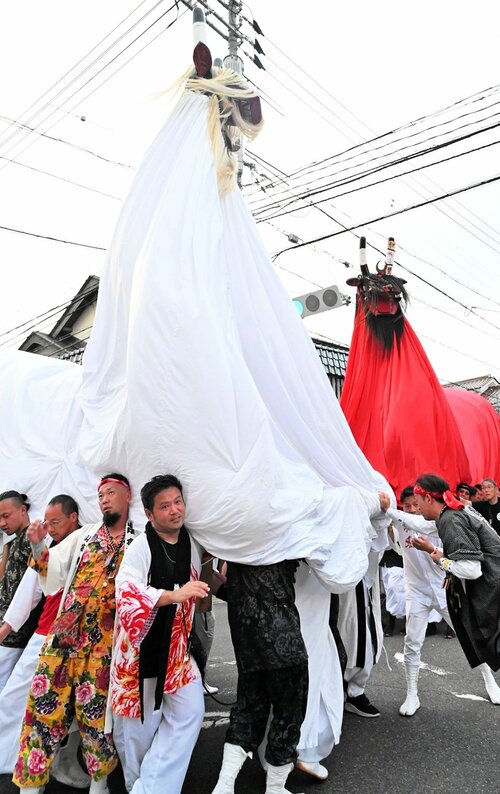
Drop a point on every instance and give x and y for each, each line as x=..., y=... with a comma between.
x=78, y=90
x=60, y=178
x=46, y=315
x=430, y=264
x=435, y=308
x=378, y=168
x=66, y=143
x=89, y=66
x=317, y=180
x=52, y=239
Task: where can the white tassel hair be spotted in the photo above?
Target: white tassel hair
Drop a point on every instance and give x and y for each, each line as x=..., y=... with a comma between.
x=224, y=88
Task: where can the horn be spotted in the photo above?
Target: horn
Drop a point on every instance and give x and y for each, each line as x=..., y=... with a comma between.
x=389, y=260
x=363, y=265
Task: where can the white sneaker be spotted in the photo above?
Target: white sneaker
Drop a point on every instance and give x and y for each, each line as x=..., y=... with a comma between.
x=313, y=768
x=210, y=690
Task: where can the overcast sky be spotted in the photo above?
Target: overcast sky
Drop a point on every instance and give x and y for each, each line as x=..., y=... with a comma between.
x=336, y=74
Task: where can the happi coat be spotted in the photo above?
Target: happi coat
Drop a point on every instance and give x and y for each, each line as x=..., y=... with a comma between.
x=136, y=610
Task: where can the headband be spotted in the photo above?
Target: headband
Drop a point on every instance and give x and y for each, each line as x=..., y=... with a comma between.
x=113, y=479
x=449, y=498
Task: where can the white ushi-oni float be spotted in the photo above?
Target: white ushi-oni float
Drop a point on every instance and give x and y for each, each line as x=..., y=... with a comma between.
x=199, y=365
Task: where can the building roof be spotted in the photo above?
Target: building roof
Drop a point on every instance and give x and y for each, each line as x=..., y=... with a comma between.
x=86, y=295
x=333, y=357
x=477, y=384
x=486, y=385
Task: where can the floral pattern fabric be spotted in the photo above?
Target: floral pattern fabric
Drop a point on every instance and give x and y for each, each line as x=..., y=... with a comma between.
x=50, y=711
x=91, y=595
x=136, y=611
x=74, y=683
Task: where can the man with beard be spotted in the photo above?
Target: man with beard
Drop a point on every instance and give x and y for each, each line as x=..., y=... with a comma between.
x=72, y=677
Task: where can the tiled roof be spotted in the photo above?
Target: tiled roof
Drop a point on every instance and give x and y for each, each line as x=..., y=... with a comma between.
x=333, y=357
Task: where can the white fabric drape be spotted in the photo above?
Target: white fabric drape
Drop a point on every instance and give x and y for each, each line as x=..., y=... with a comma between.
x=198, y=364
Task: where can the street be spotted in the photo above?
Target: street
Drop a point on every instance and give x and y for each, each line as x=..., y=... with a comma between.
x=450, y=746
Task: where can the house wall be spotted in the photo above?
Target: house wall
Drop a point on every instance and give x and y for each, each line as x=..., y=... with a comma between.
x=83, y=325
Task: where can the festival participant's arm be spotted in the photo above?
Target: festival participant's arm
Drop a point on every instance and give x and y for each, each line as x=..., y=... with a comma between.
x=5, y=557
x=137, y=602
x=26, y=597
x=412, y=521
x=52, y=565
x=464, y=569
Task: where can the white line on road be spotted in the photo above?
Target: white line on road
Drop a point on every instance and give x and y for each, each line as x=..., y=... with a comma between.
x=423, y=666
x=470, y=697
x=215, y=718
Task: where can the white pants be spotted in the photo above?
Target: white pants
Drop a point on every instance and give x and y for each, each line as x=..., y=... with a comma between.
x=357, y=677
x=394, y=586
x=155, y=754
x=8, y=659
x=417, y=620
x=13, y=702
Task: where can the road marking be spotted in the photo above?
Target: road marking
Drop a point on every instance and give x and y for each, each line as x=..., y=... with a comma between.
x=470, y=697
x=423, y=666
x=218, y=663
x=215, y=718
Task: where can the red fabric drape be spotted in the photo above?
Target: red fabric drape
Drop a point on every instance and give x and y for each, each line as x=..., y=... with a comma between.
x=479, y=426
x=398, y=411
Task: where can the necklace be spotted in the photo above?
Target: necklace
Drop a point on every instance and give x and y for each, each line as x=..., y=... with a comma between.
x=110, y=568
x=163, y=545
x=115, y=546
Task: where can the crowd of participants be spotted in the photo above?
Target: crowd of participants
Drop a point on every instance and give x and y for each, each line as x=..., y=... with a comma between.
x=105, y=633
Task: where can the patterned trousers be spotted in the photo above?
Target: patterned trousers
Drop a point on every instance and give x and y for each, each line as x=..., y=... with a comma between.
x=285, y=690
x=64, y=688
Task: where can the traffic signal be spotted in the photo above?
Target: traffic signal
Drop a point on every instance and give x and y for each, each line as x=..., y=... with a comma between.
x=319, y=301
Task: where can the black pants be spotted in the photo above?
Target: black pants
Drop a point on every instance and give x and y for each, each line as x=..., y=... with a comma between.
x=285, y=690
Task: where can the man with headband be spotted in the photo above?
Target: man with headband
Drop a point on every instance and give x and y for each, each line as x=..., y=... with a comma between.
x=72, y=677
x=470, y=558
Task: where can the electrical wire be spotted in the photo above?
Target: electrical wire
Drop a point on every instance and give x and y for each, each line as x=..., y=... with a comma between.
x=78, y=90
x=52, y=239
x=86, y=69
x=379, y=168
x=60, y=178
x=424, y=261
x=413, y=298
x=49, y=313
x=318, y=180
x=67, y=143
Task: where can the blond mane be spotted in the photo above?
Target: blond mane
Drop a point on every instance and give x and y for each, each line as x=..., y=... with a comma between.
x=223, y=89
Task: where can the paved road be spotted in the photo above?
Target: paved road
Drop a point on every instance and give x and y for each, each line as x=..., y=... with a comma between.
x=451, y=746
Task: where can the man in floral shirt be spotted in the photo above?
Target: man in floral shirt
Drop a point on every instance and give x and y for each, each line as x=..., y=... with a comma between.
x=14, y=520
x=72, y=677
x=156, y=691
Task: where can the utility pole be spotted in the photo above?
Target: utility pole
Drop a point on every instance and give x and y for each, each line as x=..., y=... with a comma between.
x=234, y=62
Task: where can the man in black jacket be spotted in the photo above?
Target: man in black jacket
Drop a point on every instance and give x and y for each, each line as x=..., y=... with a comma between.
x=272, y=671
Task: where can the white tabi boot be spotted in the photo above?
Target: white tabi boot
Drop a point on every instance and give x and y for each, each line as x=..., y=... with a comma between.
x=412, y=703
x=491, y=685
x=232, y=760
x=99, y=786
x=313, y=768
x=276, y=779
x=32, y=790
x=66, y=768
